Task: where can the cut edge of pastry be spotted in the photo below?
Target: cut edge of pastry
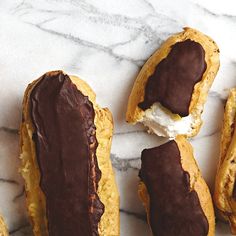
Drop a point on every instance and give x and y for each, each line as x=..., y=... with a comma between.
x=197, y=183
x=107, y=188
x=135, y=114
x=226, y=172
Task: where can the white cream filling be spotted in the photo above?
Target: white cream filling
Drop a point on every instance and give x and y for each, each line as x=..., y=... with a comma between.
x=162, y=124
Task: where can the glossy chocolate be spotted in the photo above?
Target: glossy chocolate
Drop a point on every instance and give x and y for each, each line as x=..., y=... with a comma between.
x=65, y=138
x=174, y=208
x=174, y=78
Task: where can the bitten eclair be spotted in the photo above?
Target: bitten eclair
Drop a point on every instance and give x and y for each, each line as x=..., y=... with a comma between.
x=65, y=152
x=176, y=197
x=170, y=91
x=225, y=182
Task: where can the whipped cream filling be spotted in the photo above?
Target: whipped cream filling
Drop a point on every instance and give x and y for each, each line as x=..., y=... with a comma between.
x=163, y=124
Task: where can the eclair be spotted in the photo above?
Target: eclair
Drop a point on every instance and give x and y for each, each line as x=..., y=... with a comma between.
x=65, y=141
x=176, y=197
x=170, y=91
x=3, y=228
x=225, y=181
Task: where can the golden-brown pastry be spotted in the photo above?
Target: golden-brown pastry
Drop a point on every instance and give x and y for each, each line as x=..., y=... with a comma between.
x=65, y=153
x=170, y=91
x=3, y=228
x=176, y=197
x=225, y=187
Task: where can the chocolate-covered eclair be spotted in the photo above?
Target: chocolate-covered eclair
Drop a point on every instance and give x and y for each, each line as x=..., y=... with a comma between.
x=65, y=150
x=170, y=91
x=225, y=182
x=176, y=197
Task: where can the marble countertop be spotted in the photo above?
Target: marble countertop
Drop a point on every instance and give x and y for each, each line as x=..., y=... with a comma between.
x=105, y=43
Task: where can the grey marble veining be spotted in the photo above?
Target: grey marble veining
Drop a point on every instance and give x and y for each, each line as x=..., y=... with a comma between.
x=105, y=43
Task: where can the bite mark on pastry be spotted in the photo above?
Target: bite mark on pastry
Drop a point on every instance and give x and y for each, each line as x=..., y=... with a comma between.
x=170, y=91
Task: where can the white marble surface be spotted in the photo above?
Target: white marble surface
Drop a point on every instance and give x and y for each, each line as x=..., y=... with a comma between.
x=105, y=42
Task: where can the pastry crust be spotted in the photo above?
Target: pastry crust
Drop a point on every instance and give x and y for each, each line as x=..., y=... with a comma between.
x=3, y=228
x=107, y=189
x=197, y=183
x=226, y=173
x=135, y=114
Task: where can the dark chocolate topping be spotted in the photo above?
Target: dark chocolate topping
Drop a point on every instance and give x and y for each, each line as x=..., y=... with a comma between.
x=174, y=208
x=65, y=138
x=174, y=78
x=234, y=191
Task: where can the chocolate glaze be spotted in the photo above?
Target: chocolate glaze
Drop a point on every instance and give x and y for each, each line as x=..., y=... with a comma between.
x=234, y=191
x=174, y=208
x=65, y=139
x=174, y=78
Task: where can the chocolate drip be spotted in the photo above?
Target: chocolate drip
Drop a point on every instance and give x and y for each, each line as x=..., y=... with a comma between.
x=174, y=208
x=65, y=139
x=174, y=78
